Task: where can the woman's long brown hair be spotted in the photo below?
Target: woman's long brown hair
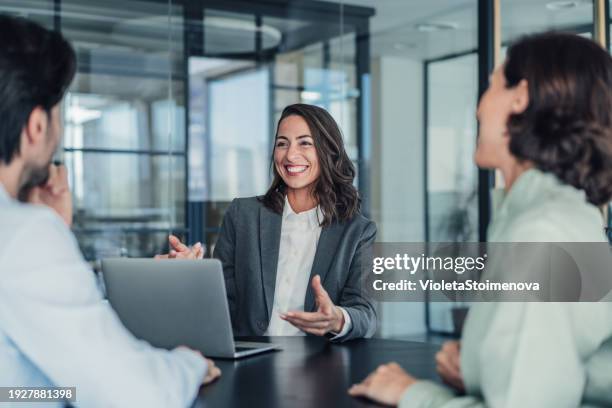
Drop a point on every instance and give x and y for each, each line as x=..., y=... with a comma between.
x=333, y=190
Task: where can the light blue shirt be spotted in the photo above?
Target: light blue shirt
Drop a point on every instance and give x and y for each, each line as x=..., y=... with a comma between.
x=55, y=329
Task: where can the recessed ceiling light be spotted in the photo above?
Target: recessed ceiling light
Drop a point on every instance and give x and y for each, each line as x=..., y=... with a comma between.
x=311, y=96
x=431, y=27
x=566, y=4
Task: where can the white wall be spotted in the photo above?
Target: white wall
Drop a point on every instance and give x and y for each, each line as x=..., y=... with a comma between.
x=397, y=173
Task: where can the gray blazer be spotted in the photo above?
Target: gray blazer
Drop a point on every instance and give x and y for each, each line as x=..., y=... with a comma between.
x=248, y=247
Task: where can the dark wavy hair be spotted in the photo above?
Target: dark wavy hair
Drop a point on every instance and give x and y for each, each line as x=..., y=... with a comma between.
x=566, y=128
x=36, y=67
x=333, y=190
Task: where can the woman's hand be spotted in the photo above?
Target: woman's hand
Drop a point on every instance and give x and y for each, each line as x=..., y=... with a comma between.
x=448, y=365
x=327, y=318
x=386, y=385
x=178, y=250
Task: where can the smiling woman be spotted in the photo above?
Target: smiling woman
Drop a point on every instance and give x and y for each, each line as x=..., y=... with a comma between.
x=296, y=163
x=292, y=258
x=310, y=160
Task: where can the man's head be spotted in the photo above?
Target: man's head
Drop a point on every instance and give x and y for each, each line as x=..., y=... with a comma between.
x=36, y=68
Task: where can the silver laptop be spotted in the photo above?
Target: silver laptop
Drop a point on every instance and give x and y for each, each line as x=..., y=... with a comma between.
x=175, y=302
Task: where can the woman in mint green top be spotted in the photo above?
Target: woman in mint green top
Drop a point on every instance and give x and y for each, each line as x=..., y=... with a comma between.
x=546, y=124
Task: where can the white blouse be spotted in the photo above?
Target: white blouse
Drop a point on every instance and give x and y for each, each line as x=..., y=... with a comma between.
x=298, y=245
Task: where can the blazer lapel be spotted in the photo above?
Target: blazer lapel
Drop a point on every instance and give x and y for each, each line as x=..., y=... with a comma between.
x=324, y=256
x=269, y=243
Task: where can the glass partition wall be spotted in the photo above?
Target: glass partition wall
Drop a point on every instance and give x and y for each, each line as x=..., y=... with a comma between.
x=124, y=144
x=140, y=164
x=452, y=185
x=173, y=110
x=248, y=63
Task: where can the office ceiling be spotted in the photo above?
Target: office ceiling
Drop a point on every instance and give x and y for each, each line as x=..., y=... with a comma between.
x=414, y=29
x=418, y=29
x=424, y=29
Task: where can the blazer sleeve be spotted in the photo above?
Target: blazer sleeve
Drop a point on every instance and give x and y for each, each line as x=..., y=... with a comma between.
x=354, y=298
x=225, y=251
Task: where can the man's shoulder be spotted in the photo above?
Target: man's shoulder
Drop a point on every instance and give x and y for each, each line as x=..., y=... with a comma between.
x=26, y=224
x=17, y=216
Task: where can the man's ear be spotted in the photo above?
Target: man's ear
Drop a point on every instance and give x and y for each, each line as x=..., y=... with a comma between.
x=35, y=129
x=520, y=100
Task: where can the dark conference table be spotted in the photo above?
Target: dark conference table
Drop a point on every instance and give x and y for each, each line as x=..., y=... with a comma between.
x=311, y=372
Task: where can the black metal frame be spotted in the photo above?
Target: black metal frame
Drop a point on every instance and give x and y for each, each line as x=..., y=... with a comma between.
x=315, y=11
x=607, y=45
x=426, y=65
x=193, y=45
x=357, y=17
x=482, y=86
x=364, y=137
x=485, y=53
x=57, y=15
x=486, y=64
x=123, y=67
x=486, y=177
x=123, y=151
x=427, y=302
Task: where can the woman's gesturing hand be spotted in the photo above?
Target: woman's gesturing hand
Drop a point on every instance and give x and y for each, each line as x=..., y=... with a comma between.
x=178, y=250
x=327, y=318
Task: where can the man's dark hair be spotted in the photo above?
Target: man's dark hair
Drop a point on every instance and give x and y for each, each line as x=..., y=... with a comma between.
x=334, y=190
x=36, y=68
x=566, y=129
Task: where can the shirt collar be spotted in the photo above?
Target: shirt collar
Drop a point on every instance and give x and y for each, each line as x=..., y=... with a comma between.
x=312, y=217
x=530, y=189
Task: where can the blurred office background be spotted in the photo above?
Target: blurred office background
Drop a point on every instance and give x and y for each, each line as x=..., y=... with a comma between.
x=173, y=111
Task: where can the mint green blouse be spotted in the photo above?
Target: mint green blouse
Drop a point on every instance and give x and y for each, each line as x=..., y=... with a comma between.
x=534, y=354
